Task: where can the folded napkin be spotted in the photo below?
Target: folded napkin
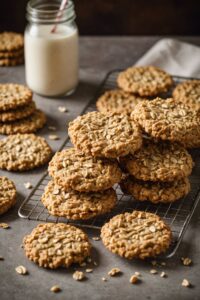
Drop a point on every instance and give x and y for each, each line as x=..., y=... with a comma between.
x=175, y=57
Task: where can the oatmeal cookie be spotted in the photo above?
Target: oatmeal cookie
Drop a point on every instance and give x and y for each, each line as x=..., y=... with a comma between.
x=108, y=136
x=29, y=124
x=18, y=113
x=159, y=162
x=21, y=152
x=12, y=54
x=166, y=120
x=117, y=102
x=11, y=62
x=14, y=95
x=75, y=205
x=144, y=81
x=136, y=235
x=56, y=245
x=188, y=92
x=11, y=41
x=156, y=192
x=72, y=169
x=7, y=194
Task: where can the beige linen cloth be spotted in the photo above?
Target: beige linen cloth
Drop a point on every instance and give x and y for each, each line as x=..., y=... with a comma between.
x=173, y=56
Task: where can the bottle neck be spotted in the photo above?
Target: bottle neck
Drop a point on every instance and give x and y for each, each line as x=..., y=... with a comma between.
x=47, y=12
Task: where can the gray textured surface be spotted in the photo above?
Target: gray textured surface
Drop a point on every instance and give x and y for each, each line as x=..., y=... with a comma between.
x=98, y=56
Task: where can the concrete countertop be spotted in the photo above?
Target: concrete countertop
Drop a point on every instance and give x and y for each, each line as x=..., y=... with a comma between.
x=98, y=55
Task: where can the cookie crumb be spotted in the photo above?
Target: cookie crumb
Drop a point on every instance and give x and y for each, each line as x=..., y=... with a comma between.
x=186, y=283
x=96, y=238
x=78, y=275
x=62, y=109
x=53, y=137
x=83, y=264
x=153, y=271
x=55, y=289
x=104, y=279
x=114, y=272
x=186, y=261
x=133, y=279
x=89, y=270
x=52, y=128
x=163, y=275
x=4, y=225
x=21, y=270
x=95, y=263
x=28, y=185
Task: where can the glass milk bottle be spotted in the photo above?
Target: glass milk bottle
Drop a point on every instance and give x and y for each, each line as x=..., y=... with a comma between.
x=51, y=48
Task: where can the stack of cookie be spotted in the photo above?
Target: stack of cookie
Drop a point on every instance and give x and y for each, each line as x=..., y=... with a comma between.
x=136, y=84
x=11, y=49
x=83, y=176
x=18, y=112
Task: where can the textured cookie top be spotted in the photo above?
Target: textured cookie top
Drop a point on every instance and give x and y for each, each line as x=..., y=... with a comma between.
x=136, y=235
x=167, y=120
x=14, y=95
x=188, y=92
x=7, y=194
x=75, y=205
x=108, y=136
x=10, y=41
x=54, y=245
x=159, y=162
x=117, y=102
x=18, y=113
x=27, y=125
x=144, y=81
x=74, y=170
x=156, y=192
x=23, y=152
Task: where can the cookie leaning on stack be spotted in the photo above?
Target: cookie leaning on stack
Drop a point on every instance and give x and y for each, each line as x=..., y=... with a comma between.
x=18, y=112
x=7, y=194
x=11, y=49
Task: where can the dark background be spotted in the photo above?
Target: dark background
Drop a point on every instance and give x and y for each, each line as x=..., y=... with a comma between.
x=117, y=17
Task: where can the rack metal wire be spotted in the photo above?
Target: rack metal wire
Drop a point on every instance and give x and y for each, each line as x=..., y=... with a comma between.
x=177, y=215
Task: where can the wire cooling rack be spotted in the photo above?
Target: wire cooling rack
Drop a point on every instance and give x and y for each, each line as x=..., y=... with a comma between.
x=177, y=215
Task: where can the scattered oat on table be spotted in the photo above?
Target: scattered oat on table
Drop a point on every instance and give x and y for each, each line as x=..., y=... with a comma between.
x=21, y=270
x=4, y=225
x=54, y=137
x=28, y=185
x=186, y=283
x=104, y=279
x=114, y=272
x=133, y=279
x=153, y=271
x=55, y=289
x=1, y=258
x=186, y=261
x=83, y=264
x=163, y=275
x=52, y=128
x=89, y=270
x=62, y=109
x=96, y=238
x=78, y=275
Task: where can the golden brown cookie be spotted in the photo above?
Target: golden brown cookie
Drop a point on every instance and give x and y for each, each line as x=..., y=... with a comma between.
x=11, y=41
x=12, y=54
x=144, y=81
x=21, y=152
x=156, y=192
x=14, y=95
x=18, y=113
x=76, y=205
x=168, y=120
x=27, y=125
x=136, y=235
x=102, y=135
x=188, y=92
x=7, y=194
x=11, y=62
x=72, y=169
x=117, y=102
x=56, y=245
x=159, y=162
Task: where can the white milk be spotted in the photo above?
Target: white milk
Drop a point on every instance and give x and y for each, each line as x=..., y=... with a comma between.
x=51, y=59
